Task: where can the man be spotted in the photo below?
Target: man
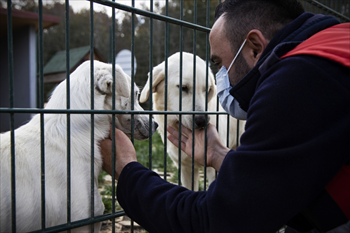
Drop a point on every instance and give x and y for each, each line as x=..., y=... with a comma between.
x=292, y=167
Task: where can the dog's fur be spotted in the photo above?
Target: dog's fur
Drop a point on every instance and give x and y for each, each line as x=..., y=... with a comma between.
x=28, y=153
x=201, y=90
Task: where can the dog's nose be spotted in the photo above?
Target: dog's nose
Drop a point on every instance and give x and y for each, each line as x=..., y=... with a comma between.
x=155, y=125
x=200, y=120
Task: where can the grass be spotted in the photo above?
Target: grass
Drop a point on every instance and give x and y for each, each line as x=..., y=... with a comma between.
x=157, y=151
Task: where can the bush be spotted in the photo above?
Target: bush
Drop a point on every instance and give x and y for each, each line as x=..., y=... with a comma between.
x=158, y=152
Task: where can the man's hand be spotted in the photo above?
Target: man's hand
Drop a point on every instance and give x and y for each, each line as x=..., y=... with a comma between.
x=216, y=152
x=124, y=153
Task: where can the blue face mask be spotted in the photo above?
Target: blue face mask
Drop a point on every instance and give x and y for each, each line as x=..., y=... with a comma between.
x=226, y=100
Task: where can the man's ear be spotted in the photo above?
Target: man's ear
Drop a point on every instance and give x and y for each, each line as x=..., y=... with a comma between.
x=256, y=44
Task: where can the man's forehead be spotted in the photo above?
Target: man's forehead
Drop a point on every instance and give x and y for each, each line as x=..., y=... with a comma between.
x=218, y=27
x=218, y=40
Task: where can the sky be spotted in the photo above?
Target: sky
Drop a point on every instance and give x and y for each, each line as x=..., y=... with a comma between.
x=77, y=5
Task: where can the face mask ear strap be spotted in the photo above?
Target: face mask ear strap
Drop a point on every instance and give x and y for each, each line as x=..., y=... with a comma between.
x=239, y=50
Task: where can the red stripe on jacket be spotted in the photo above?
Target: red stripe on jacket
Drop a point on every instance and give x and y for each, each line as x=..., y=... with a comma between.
x=332, y=43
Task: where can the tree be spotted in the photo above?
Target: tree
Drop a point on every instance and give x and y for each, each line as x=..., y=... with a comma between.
x=166, y=36
x=79, y=31
x=28, y=5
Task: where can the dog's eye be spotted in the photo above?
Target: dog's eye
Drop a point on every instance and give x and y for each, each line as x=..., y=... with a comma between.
x=184, y=88
x=137, y=95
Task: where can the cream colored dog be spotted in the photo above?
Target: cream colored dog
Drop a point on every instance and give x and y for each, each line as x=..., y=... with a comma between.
x=200, y=92
x=28, y=154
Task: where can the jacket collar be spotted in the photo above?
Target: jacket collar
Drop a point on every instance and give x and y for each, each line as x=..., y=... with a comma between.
x=299, y=30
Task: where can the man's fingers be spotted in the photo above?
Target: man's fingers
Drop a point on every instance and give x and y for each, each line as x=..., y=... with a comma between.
x=173, y=132
x=175, y=141
x=185, y=130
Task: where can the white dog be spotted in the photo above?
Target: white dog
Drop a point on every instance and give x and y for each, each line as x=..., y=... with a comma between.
x=201, y=90
x=28, y=153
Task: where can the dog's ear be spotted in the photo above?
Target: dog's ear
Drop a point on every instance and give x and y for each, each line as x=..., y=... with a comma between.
x=104, y=81
x=157, y=77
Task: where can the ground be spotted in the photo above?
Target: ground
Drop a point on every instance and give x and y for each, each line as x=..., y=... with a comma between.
x=122, y=225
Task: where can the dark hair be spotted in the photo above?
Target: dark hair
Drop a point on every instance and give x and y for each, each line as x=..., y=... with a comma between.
x=268, y=16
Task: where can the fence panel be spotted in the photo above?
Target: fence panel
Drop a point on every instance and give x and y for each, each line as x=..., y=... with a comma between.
x=165, y=29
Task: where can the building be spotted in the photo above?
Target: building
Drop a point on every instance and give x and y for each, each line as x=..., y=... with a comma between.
x=24, y=40
x=55, y=68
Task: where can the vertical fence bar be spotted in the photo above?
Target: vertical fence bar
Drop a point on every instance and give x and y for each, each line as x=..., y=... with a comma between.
x=194, y=89
x=132, y=88
x=110, y=42
x=42, y=126
x=206, y=96
x=132, y=82
x=217, y=104
x=228, y=131
x=41, y=50
x=180, y=91
x=166, y=87
x=217, y=109
x=151, y=84
x=237, y=133
x=337, y=4
x=12, y=119
x=113, y=116
x=68, y=116
x=92, y=201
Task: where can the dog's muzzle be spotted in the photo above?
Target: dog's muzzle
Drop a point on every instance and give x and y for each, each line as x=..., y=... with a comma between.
x=154, y=126
x=144, y=127
x=201, y=120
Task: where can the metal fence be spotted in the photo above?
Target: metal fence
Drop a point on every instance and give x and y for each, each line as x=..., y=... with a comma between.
x=340, y=9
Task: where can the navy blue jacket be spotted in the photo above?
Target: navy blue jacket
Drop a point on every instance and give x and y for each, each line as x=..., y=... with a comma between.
x=296, y=140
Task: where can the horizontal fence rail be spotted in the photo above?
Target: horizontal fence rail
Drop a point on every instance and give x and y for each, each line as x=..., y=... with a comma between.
x=328, y=10
x=96, y=111
x=152, y=15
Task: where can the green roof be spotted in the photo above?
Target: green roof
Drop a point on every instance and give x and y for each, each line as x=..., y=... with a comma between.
x=57, y=63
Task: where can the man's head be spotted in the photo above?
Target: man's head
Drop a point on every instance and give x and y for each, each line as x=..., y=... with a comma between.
x=255, y=20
